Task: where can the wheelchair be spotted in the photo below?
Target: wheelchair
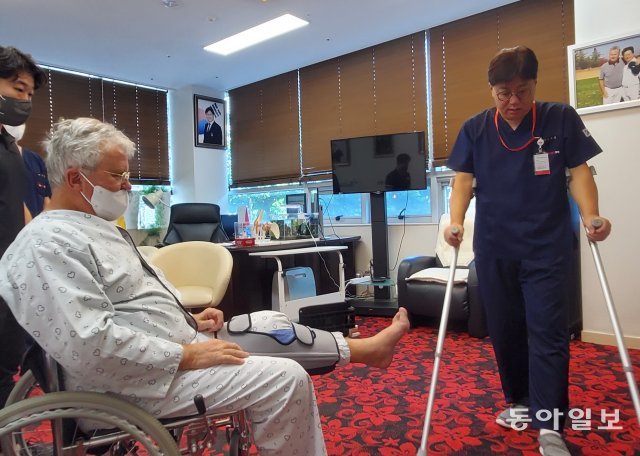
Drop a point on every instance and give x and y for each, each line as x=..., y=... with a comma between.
x=56, y=422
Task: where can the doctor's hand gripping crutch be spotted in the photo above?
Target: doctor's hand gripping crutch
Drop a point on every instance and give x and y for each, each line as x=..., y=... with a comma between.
x=438, y=354
x=624, y=355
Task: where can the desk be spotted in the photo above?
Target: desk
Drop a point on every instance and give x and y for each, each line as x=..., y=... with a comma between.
x=291, y=308
x=252, y=276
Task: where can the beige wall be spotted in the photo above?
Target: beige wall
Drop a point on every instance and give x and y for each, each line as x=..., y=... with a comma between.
x=617, y=168
x=419, y=239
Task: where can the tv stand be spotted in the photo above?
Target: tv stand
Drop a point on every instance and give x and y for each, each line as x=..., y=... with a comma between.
x=374, y=307
x=381, y=304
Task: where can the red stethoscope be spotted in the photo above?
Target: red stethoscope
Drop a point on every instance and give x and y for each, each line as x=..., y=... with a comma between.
x=528, y=143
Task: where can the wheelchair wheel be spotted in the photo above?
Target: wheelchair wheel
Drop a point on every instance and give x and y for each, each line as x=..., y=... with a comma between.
x=238, y=443
x=25, y=388
x=36, y=426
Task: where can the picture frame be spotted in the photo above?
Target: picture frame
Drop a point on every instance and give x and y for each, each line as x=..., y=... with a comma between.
x=210, y=118
x=383, y=147
x=585, y=62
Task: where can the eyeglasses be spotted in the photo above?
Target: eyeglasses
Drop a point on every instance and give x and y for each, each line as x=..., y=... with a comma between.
x=505, y=95
x=122, y=176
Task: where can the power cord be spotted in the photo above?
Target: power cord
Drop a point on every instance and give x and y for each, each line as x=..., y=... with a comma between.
x=328, y=217
x=402, y=217
x=315, y=241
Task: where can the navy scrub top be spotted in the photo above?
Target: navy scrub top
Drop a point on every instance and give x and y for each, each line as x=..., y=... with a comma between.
x=38, y=187
x=519, y=214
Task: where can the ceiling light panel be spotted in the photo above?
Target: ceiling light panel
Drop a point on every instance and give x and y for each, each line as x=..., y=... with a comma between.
x=270, y=29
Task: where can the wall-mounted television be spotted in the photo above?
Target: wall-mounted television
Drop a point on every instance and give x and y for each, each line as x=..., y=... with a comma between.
x=382, y=163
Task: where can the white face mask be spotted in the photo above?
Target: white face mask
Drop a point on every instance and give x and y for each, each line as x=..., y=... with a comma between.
x=16, y=132
x=107, y=204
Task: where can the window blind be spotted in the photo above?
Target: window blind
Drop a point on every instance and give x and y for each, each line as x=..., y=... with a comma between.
x=140, y=112
x=460, y=52
x=265, y=131
x=377, y=90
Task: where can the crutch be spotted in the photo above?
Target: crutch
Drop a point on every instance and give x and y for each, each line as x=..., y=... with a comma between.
x=624, y=355
x=422, y=451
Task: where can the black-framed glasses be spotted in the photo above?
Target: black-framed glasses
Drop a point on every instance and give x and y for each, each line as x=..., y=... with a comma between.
x=122, y=176
x=520, y=94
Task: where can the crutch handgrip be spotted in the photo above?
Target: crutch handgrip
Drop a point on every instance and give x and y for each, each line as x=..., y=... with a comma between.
x=597, y=223
x=455, y=230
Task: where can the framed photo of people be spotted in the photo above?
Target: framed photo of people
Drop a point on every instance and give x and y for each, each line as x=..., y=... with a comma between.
x=210, y=116
x=605, y=74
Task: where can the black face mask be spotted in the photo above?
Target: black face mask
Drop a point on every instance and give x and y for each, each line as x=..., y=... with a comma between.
x=14, y=112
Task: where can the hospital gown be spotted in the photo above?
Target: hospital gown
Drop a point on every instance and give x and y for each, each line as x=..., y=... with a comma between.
x=79, y=289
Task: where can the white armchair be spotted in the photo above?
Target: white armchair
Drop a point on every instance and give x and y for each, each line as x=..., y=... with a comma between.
x=199, y=270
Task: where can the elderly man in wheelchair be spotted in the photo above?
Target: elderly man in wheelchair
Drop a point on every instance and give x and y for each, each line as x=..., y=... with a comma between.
x=75, y=283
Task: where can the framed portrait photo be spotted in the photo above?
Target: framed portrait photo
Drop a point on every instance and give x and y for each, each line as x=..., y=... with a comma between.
x=605, y=75
x=210, y=116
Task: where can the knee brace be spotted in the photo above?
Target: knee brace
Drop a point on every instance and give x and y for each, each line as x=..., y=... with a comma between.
x=269, y=333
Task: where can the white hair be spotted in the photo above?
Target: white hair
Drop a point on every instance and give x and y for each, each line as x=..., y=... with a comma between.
x=81, y=143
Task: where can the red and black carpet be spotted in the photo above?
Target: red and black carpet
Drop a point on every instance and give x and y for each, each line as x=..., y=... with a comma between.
x=381, y=412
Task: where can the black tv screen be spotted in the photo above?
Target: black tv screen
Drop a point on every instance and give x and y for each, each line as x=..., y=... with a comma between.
x=372, y=164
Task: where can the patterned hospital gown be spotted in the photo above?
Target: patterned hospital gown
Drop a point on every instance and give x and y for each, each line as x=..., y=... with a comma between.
x=78, y=289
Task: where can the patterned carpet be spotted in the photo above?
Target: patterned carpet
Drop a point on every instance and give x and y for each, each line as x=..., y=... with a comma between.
x=381, y=412
x=375, y=412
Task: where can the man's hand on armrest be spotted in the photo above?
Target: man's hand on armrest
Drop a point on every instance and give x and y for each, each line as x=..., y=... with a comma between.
x=214, y=352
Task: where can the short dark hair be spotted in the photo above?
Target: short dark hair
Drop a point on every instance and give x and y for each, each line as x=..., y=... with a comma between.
x=628, y=48
x=403, y=158
x=209, y=109
x=511, y=63
x=14, y=61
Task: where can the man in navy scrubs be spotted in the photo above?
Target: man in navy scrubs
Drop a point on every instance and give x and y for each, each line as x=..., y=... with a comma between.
x=518, y=152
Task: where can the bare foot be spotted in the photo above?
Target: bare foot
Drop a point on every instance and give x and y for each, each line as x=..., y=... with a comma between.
x=378, y=350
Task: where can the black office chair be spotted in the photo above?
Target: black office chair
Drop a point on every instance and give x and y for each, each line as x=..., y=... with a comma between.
x=195, y=222
x=228, y=224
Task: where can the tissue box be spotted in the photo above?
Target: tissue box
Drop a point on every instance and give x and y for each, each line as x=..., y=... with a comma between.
x=245, y=242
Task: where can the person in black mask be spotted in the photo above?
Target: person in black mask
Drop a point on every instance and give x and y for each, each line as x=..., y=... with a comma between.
x=19, y=78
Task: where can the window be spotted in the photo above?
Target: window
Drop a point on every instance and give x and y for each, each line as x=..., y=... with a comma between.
x=415, y=203
x=272, y=201
x=341, y=208
x=444, y=184
x=142, y=217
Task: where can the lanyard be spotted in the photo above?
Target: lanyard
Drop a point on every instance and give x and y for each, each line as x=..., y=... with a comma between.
x=533, y=127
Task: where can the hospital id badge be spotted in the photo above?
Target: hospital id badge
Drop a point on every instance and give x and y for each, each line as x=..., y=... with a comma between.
x=541, y=164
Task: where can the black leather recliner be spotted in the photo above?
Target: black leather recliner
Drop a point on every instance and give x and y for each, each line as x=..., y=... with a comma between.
x=426, y=298
x=195, y=222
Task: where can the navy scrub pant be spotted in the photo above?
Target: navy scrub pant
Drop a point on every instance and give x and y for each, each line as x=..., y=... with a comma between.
x=527, y=317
